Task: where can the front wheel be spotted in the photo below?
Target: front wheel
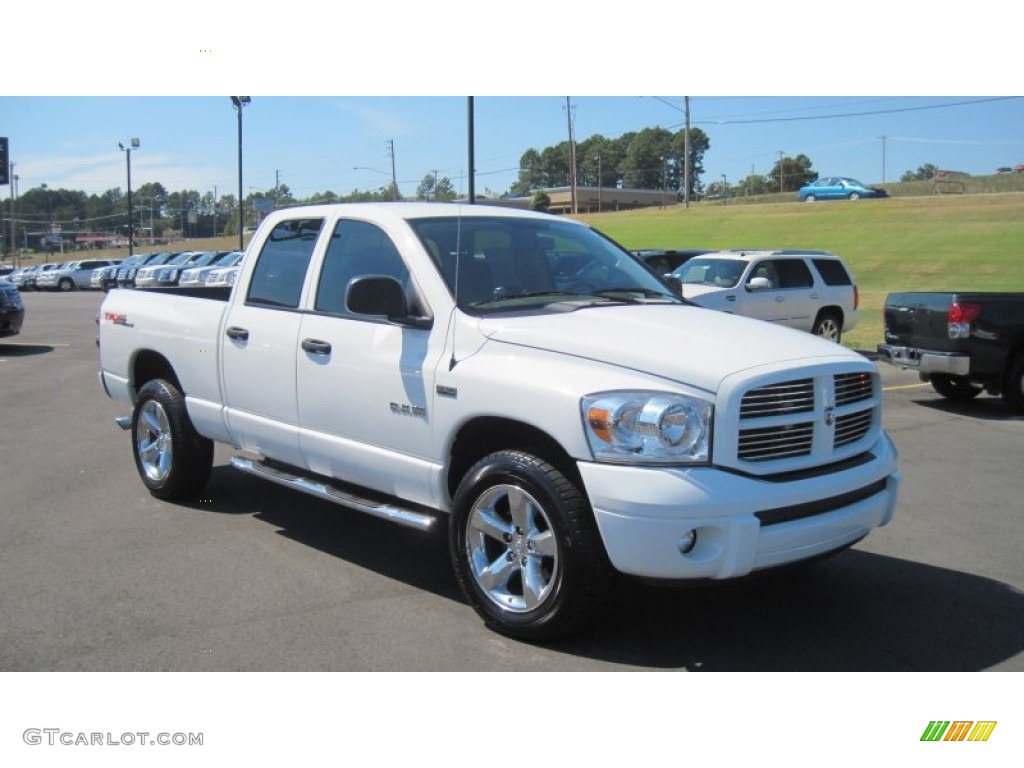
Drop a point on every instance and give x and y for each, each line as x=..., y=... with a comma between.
x=525, y=548
x=959, y=389
x=65, y=284
x=173, y=460
x=810, y=199
x=855, y=195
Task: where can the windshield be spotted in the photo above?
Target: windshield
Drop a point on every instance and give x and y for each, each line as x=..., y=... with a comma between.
x=722, y=273
x=503, y=264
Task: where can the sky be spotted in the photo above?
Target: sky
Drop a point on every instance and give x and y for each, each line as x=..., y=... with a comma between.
x=333, y=91
x=340, y=143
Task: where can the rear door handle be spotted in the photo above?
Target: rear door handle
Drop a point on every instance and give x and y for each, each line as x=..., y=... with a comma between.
x=238, y=334
x=316, y=346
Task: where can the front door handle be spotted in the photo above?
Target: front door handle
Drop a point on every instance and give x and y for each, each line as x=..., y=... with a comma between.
x=238, y=334
x=316, y=346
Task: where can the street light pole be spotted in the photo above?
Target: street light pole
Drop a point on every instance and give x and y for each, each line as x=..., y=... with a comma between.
x=239, y=102
x=128, y=159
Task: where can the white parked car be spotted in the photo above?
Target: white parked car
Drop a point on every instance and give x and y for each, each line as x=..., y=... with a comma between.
x=200, y=275
x=74, y=275
x=812, y=291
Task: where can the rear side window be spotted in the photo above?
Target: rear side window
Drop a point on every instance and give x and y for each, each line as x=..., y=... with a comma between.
x=833, y=272
x=794, y=273
x=282, y=263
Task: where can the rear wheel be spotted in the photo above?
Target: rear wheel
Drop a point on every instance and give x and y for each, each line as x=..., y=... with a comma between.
x=526, y=549
x=828, y=326
x=65, y=284
x=855, y=195
x=173, y=460
x=1013, y=384
x=959, y=389
x=810, y=199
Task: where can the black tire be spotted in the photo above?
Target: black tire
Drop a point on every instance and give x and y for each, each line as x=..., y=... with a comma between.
x=959, y=389
x=525, y=548
x=829, y=326
x=1013, y=384
x=172, y=459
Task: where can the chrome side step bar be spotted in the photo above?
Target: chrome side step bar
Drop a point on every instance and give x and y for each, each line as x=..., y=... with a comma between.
x=419, y=520
x=124, y=422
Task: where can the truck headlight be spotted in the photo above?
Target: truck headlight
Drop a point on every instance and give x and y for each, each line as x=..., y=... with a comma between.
x=648, y=427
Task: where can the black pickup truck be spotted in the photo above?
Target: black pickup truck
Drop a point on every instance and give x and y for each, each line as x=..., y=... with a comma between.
x=963, y=343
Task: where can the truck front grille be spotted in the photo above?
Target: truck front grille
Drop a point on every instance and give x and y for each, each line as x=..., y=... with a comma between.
x=807, y=421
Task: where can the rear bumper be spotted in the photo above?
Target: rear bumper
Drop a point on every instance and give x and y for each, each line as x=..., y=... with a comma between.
x=926, y=361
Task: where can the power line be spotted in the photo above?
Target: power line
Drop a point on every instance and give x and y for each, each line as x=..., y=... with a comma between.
x=856, y=114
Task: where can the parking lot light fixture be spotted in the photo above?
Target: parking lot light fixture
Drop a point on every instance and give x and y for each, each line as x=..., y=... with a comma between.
x=134, y=144
x=239, y=102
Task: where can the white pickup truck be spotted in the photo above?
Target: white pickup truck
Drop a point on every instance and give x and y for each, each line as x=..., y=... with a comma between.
x=525, y=377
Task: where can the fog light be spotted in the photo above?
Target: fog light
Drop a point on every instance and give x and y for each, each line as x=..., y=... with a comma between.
x=687, y=542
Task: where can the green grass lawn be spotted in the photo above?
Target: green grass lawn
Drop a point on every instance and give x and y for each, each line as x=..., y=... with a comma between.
x=942, y=243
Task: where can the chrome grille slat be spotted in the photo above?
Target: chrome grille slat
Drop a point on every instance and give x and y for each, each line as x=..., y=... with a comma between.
x=776, y=399
x=852, y=427
x=775, y=443
x=853, y=388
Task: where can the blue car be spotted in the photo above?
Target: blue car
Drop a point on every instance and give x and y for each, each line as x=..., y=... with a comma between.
x=838, y=188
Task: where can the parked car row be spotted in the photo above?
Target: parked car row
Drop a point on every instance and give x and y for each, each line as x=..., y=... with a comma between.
x=69, y=276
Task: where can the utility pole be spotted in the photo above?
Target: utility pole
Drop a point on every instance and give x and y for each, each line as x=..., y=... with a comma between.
x=277, y=189
x=883, y=137
x=12, y=177
x=686, y=158
x=472, y=172
x=572, y=155
x=394, y=182
x=782, y=173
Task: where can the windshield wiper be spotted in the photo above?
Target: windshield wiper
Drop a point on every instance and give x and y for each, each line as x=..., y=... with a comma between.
x=646, y=293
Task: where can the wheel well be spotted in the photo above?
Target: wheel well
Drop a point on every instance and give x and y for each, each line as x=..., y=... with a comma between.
x=837, y=311
x=484, y=436
x=151, y=365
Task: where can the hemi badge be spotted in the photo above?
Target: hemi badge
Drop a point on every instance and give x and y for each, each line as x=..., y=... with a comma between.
x=451, y=392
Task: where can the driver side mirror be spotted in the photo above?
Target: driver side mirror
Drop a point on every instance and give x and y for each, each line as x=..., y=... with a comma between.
x=759, y=284
x=674, y=283
x=382, y=296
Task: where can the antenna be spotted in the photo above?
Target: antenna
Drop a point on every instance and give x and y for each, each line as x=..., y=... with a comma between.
x=452, y=362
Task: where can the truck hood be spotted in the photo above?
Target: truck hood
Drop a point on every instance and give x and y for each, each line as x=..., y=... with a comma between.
x=690, y=345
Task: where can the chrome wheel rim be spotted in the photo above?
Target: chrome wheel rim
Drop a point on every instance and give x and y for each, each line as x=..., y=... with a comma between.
x=829, y=330
x=153, y=440
x=512, y=549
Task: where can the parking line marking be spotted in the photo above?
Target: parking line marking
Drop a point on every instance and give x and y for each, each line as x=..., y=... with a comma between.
x=906, y=386
x=33, y=344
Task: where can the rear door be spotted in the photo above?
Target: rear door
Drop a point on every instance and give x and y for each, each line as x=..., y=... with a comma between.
x=258, y=348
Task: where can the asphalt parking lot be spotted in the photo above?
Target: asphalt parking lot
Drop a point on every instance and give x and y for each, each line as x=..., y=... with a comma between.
x=98, y=575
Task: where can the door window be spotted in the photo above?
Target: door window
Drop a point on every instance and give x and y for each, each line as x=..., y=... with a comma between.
x=359, y=249
x=282, y=263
